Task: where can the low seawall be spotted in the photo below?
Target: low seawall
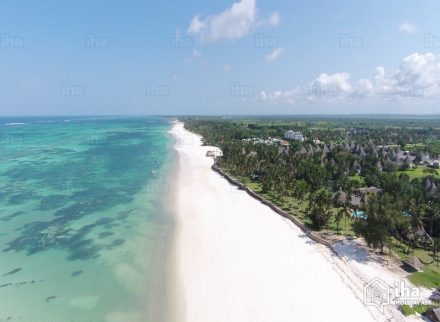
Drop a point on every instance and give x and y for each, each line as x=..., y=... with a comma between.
x=279, y=211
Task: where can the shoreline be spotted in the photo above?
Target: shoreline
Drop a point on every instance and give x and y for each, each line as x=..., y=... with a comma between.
x=228, y=244
x=163, y=283
x=175, y=302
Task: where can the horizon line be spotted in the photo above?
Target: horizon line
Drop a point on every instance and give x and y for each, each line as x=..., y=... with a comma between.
x=223, y=115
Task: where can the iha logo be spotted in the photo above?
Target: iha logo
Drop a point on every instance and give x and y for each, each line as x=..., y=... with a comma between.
x=350, y=41
x=72, y=90
x=262, y=41
x=377, y=294
x=178, y=41
x=9, y=41
x=93, y=41
x=431, y=41
x=409, y=295
x=239, y=90
x=156, y=90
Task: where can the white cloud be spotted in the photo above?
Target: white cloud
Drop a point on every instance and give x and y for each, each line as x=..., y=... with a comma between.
x=275, y=54
x=288, y=96
x=363, y=88
x=407, y=28
x=196, y=25
x=417, y=77
x=380, y=73
x=233, y=23
x=330, y=85
x=274, y=19
x=196, y=53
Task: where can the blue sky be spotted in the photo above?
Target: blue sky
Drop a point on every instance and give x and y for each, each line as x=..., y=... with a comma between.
x=222, y=57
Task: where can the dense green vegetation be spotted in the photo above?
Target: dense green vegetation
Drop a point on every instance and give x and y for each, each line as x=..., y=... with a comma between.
x=327, y=178
x=411, y=310
x=416, y=134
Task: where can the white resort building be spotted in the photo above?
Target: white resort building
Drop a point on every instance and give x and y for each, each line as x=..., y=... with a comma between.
x=291, y=135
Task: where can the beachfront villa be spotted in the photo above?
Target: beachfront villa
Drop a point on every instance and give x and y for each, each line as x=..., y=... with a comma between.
x=214, y=153
x=295, y=136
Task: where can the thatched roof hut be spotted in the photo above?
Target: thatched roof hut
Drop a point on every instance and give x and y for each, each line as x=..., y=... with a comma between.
x=413, y=264
x=355, y=200
x=434, y=314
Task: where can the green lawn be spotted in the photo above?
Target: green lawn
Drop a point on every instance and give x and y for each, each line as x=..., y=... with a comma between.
x=427, y=278
x=415, y=147
x=421, y=172
x=360, y=180
x=420, y=309
x=423, y=308
x=407, y=310
x=430, y=277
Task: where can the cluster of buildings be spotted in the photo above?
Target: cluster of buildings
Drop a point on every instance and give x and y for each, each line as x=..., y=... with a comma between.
x=387, y=156
x=383, y=153
x=288, y=136
x=363, y=194
x=269, y=141
x=406, y=157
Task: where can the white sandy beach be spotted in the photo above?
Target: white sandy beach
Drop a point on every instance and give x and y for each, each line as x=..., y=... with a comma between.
x=238, y=261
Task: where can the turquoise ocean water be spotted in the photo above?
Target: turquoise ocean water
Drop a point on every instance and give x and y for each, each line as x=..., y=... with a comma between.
x=81, y=217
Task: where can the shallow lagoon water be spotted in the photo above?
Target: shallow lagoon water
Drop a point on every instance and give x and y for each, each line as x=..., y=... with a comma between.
x=81, y=219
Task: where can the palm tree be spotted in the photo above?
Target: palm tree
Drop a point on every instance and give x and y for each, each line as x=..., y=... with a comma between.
x=380, y=223
x=346, y=211
x=417, y=212
x=342, y=200
x=432, y=207
x=342, y=213
x=435, y=249
x=319, y=209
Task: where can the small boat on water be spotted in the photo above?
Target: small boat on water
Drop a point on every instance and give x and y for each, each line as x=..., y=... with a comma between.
x=153, y=172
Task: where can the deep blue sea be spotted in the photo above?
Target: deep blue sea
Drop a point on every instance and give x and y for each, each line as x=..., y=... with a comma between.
x=81, y=217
